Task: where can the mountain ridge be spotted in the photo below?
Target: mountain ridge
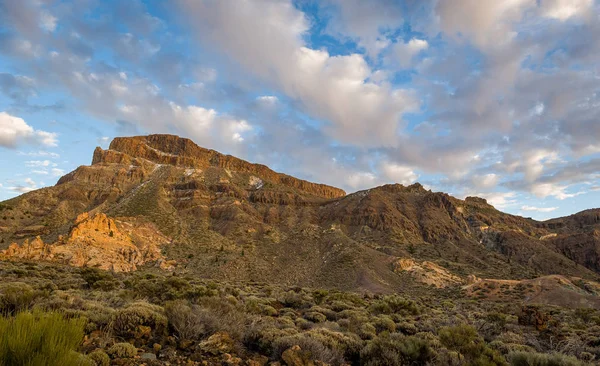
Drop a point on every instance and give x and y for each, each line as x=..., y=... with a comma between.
x=225, y=218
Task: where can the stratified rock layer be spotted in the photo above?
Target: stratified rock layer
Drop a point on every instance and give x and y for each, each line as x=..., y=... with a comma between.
x=94, y=241
x=228, y=219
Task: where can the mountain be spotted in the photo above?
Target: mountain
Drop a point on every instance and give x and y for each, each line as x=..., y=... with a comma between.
x=162, y=201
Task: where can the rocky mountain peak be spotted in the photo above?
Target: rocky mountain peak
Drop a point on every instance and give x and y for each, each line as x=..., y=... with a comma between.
x=182, y=152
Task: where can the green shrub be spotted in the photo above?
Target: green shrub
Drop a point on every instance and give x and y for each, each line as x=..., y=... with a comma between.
x=99, y=279
x=396, y=350
x=464, y=339
x=99, y=357
x=122, y=350
x=83, y=360
x=383, y=323
x=15, y=296
x=394, y=304
x=457, y=337
x=40, y=339
x=315, y=317
x=126, y=322
x=542, y=359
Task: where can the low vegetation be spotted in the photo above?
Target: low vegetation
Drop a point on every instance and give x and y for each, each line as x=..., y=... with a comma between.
x=59, y=315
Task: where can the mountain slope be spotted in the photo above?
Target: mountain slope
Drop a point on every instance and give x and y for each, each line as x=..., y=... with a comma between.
x=225, y=218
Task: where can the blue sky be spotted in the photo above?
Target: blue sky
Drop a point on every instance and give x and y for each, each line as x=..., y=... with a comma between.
x=499, y=99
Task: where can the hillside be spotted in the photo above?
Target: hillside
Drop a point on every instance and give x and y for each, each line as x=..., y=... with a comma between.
x=175, y=206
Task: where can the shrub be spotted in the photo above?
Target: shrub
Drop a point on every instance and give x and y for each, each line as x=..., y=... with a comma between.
x=457, y=337
x=99, y=357
x=396, y=350
x=260, y=337
x=315, y=317
x=541, y=359
x=122, y=350
x=384, y=323
x=187, y=323
x=40, y=339
x=394, y=304
x=316, y=350
x=15, y=296
x=99, y=279
x=464, y=339
x=127, y=322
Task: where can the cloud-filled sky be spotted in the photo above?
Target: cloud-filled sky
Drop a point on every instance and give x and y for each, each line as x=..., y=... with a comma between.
x=499, y=99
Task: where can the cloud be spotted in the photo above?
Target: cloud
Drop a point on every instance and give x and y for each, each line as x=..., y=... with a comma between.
x=28, y=186
x=565, y=9
x=48, y=22
x=360, y=180
x=543, y=190
x=404, y=53
x=38, y=163
x=538, y=209
x=499, y=200
x=367, y=22
x=58, y=172
x=40, y=153
x=404, y=175
x=266, y=39
x=14, y=131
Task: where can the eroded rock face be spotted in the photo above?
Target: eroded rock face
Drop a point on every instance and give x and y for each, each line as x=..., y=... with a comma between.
x=427, y=272
x=181, y=152
x=96, y=241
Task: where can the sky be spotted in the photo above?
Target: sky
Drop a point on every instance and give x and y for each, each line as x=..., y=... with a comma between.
x=497, y=99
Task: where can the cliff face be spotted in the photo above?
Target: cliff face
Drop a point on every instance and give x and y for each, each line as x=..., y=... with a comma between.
x=181, y=152
x=225, y=218
x=98, y=242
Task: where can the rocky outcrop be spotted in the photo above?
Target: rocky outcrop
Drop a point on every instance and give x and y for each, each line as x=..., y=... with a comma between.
x=182, y=152
x=427, y=272
x=95, y=241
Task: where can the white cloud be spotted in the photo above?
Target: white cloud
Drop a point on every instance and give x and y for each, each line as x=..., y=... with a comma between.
x=544, y=190
x=485, y=181
x=565, y=9
x=486, y=23
x=58, y=172
x=499, y=199
x=40, y=153
x=48, y=22
x=14, y=131
x=538, y=209
x=266, y=38
x=267, y=100
x=364, y=21
x=29, y=186
x=404, y=53
x=49, y=139
x=402, y=174
x=38, y=163
x=361, y=180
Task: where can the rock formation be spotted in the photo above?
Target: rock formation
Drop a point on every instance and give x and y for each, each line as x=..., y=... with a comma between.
x=228, y=219
x=94, y=241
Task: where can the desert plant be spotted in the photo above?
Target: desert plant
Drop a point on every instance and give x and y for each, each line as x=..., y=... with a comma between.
x=40, y=339
x=99, y=357
x=394, y=304
x=187, y=323
x=122, y=350
x=395, y=350
x=127, y=322
x=541, y=359
x=15, y=296
x=464, y=339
